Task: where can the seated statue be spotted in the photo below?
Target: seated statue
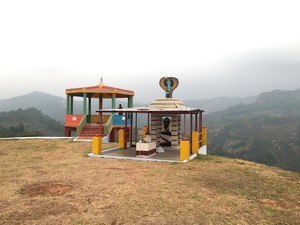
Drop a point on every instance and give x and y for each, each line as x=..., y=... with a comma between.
x=165, y=135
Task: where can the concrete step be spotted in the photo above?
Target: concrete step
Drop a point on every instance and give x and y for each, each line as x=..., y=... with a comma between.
x=92, y=125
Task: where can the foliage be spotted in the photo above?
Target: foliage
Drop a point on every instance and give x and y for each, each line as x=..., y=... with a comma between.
x=267, y=131
x=29, y=122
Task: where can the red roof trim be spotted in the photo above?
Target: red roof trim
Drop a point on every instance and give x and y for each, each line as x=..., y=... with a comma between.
x=98, y=88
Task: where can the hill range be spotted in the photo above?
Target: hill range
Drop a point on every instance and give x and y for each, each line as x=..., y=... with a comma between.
x=267, y=131
x=55, y=106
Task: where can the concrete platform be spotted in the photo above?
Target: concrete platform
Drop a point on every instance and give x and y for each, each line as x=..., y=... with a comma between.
x=170, y=155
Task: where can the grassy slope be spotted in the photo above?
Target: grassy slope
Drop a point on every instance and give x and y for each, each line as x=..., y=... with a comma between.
x=213, y=190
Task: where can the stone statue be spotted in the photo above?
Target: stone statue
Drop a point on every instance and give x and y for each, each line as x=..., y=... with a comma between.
x=166, y=135
x=169, y=84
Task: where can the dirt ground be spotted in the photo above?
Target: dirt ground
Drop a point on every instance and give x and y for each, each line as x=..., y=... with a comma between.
x=53, y=182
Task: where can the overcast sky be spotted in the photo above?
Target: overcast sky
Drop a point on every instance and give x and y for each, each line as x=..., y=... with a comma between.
x=215, y=48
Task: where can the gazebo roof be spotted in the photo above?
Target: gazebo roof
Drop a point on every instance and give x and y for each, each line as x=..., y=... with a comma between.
x=95, y=91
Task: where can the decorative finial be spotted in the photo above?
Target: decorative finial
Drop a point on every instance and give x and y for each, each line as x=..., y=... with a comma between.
x=101, y=82
x=169, y=84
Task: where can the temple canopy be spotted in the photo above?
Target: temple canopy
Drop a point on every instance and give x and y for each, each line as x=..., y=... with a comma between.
x=185, y=110
x=166, y=125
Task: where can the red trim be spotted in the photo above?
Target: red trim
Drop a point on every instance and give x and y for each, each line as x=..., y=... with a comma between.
x=99, y=88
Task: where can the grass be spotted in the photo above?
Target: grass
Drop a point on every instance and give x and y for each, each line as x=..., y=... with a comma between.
x=52, y=182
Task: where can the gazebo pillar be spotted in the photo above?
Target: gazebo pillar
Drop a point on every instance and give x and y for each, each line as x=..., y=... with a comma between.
x=84, y=104
x=71, y=109
x=90, y=106
x=89, y=109
x=130, y=101
x=113, y=101
x=67, y=105
x=100, y=101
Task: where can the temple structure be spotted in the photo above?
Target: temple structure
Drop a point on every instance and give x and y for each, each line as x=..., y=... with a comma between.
x=86, y=124
x=171, y=129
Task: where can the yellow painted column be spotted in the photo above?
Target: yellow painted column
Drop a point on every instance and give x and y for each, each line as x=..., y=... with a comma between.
x=184, y=150
x=204, y=136
x=122, y=138
x=195, y=142
x=97, y=145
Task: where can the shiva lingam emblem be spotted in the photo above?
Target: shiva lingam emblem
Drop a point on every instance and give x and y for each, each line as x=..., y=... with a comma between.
x=169, y=84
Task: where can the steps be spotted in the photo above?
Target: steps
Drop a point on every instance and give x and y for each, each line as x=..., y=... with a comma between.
x=89, y=131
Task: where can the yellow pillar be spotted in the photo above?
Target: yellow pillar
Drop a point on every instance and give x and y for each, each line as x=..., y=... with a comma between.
x=122, y=138
x=184, y=150
x=97, y=145
x=204, y=136
x=195, y=142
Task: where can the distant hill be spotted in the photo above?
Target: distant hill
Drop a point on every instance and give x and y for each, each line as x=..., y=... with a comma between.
x=28, y=122
x=267, y=131
x=279, y=96
x=220, y=103
x=55, y=106
x=50, y=105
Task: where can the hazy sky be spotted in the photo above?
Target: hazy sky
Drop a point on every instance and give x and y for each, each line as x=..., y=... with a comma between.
x=215, y=48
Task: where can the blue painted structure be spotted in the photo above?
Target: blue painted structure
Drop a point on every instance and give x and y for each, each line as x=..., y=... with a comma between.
x=119, y=120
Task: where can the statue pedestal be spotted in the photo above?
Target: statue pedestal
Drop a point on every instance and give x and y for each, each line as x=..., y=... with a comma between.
x=145, y=149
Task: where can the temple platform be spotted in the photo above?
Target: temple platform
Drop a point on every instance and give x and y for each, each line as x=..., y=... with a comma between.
x=170, y=155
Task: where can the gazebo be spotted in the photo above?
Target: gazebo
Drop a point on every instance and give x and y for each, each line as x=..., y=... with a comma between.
x=86, y=125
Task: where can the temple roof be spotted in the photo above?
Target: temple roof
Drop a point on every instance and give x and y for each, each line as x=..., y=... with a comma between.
x=95, y=91
x=167, y=103
x=183, y=110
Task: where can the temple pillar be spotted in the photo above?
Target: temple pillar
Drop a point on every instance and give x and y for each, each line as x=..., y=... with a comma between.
x=191, y=125
x=184, y=126
x=196, y=122
x=200, y=126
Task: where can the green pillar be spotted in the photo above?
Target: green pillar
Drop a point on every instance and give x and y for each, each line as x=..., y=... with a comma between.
x=71, y=109
x=89, y=117
x=90, y=106
x=113, y=101
x=84, y=104
x=130, y=102
x=67, y=105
